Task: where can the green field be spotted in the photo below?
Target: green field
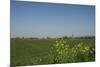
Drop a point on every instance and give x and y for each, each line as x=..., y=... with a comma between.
x=28, y=51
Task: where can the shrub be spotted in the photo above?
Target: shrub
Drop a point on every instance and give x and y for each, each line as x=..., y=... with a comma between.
x=58, y=50
x=62, y=52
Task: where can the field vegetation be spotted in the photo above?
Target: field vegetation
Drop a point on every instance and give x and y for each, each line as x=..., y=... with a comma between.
x=36, y=51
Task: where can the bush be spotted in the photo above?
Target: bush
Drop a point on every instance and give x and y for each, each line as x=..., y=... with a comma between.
x=62, y=52
x=58, y=50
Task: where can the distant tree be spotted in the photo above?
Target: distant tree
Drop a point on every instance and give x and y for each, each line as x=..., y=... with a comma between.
x=72, y=35
x=48, y=38
x=65, y=37
x=85, y=37
x=22, y=37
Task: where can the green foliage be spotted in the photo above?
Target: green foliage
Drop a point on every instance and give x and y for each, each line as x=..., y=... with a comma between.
x=29, y=51
x=58, y=50
x=62, y=52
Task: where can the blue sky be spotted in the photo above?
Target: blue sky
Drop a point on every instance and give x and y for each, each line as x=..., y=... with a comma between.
x=34, y=19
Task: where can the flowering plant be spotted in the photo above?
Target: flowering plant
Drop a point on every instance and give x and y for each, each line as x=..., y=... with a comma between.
x=62, y=51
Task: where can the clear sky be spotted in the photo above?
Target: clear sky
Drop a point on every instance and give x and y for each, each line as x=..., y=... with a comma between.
x=34, y=19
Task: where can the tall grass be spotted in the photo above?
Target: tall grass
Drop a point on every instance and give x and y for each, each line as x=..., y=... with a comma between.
x=51, y=51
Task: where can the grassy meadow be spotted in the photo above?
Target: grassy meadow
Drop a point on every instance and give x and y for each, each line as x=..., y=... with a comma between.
x=30, y=51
